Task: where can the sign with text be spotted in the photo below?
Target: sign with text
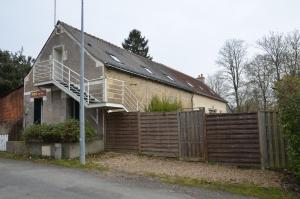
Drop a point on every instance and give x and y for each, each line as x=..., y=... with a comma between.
x=40, y=93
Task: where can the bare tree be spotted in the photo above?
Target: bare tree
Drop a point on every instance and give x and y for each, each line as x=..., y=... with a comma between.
x=260, y=76
x=217, y=82
x=293, y=53
x=274, y=46
x=232, y=58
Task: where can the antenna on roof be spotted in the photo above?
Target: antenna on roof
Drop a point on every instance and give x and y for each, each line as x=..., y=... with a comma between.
x=54, y=13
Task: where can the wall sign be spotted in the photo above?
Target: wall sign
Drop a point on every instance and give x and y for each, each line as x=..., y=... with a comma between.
x=39, y=93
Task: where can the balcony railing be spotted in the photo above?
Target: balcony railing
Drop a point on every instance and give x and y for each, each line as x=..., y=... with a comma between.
x=97, y=91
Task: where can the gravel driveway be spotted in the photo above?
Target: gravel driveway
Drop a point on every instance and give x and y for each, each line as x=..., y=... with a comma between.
x=131, y=163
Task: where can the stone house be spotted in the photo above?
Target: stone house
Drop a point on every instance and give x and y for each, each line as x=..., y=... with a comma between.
x=115, y=79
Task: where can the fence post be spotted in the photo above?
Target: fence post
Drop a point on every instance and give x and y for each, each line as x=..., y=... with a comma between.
x=179, y=135
x=205, y=146
x=261, y=117
x=139, y=131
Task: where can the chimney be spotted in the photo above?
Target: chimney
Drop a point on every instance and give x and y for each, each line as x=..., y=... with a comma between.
x=201, y=78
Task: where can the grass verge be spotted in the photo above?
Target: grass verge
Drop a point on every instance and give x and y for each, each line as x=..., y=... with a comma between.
x=72, y=163
x=241, y=189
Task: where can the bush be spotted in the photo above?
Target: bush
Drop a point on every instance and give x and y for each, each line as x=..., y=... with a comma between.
x=65, y=132
x=164, y=105
x=288, y=95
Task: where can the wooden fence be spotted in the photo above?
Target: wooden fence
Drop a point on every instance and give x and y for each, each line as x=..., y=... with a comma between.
x=192, y=140
x=272, y=141
x=233, y=138
x=158, y=133
x=241, y=139
x=122, y=132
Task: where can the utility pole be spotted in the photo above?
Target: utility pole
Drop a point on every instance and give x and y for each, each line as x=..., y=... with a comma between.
x=82, y=88
x=54, y=13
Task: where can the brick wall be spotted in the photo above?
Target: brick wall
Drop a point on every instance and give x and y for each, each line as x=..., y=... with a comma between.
x=11, y=106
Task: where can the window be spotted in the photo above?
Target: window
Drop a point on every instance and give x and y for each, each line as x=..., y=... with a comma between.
x=148, y=70
x=114, y=58
x=191, y=85
x=170, y=78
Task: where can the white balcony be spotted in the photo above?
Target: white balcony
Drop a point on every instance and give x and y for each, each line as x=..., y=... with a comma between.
x=99, y=92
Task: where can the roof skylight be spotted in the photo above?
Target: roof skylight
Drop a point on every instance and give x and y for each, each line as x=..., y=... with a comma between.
x=191, y=85
x=148, y=70
x=114, y=58
x=170, y=78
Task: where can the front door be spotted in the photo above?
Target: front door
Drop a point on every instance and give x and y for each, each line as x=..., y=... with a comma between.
x=38, y=110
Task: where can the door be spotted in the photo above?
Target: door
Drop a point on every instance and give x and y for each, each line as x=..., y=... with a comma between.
x=58, y=59
x=38, y=110
x=191, y=135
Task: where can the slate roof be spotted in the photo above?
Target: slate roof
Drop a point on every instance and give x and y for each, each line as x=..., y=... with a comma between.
x=135, y=64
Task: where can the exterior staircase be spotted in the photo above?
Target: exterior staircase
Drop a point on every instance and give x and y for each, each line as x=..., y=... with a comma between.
x=101, y=92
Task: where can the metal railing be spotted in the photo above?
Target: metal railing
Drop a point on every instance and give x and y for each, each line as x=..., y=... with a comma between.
x=100, y=90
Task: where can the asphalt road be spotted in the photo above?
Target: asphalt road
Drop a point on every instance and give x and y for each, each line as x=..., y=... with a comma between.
x=27, y=180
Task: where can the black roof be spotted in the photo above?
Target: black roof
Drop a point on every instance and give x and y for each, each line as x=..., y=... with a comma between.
x=135, y=64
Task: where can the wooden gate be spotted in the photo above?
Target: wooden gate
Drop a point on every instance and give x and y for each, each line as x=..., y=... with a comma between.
x=192, y=135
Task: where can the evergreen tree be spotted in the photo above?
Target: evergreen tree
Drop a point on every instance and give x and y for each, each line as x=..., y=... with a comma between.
x=137, y=44
x=13, y=68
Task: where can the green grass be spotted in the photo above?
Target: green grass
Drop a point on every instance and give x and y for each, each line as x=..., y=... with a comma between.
x=72, y=163
x=241, y=189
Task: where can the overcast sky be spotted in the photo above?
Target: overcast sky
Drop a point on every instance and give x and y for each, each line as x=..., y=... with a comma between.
x=183, y=34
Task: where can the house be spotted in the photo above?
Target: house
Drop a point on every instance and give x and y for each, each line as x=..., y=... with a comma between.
x=115, y=79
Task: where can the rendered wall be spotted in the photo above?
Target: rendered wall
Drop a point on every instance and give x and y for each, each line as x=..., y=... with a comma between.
x=145, y=89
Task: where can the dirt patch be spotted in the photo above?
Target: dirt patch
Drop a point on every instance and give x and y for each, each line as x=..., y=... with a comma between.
x=132, y=163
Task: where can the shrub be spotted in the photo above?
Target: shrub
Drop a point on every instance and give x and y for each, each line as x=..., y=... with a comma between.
x=288, y=95
x=72, y=131
x=65, y=132
x=164, y=105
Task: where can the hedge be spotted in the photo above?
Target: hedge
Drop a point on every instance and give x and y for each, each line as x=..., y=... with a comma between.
x=65, y=132
x=288, y=95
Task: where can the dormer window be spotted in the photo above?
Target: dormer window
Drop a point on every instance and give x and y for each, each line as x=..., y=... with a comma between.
x=115, y=58
x=191, y=85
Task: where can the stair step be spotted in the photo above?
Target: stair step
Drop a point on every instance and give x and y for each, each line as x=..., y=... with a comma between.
x=75, y=90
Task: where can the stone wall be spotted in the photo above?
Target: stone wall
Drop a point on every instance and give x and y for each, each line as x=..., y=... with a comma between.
x=145, y=89
x=69, y=150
